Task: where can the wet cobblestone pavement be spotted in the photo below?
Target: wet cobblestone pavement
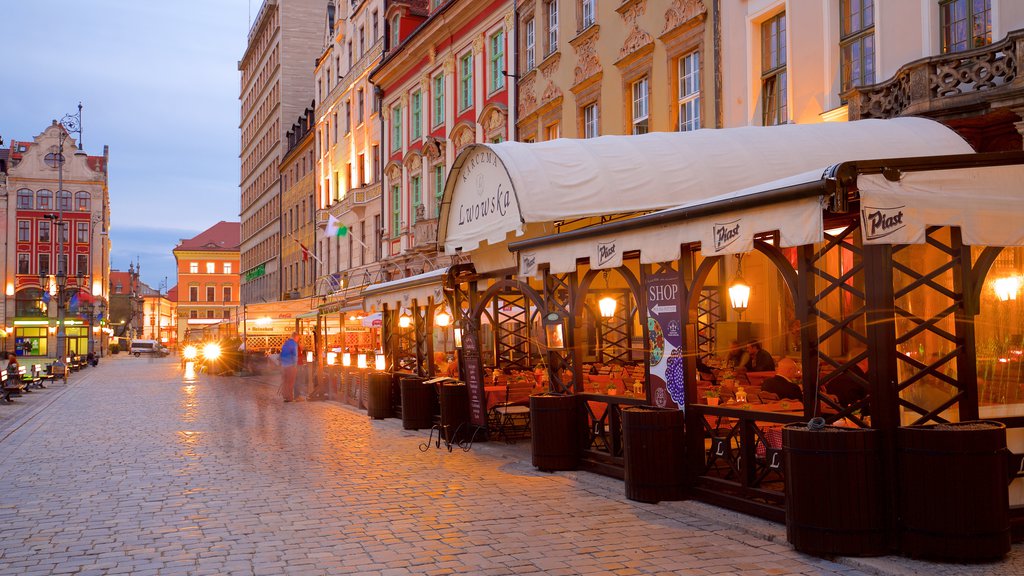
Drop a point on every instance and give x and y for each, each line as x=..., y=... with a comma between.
x=131, y=470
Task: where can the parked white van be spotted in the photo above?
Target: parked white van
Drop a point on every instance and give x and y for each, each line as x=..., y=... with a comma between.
x=140, y=347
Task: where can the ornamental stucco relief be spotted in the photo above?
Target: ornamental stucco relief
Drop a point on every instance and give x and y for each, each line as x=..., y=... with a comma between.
x=527, y=95
x=587, y=59
x=637, y=38
x=681, y=12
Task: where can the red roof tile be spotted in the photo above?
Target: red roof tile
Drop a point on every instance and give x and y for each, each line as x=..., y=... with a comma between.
x=223, y=235
x=172, y=294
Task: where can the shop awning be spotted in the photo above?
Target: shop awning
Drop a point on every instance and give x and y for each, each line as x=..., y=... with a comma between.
x=402, y=292
x=899, y=199
x=497, y=189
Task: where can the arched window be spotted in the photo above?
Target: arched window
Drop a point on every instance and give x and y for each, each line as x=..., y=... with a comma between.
x=24, y=199
x=64, y=199
x=82, y=201
x=44, y=200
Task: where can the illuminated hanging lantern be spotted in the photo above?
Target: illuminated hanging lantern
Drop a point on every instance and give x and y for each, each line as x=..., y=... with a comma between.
x=607, y=306
x=458, y=337
x=361, y=361
x=381, y=362
x=443, y=318
x=332, y=357
x=739, y=294
x=1007, y=288
x=739, y=290
x=404, y=321
x=346, y=359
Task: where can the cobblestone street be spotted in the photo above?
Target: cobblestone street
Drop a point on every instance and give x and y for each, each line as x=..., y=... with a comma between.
x=131, y=470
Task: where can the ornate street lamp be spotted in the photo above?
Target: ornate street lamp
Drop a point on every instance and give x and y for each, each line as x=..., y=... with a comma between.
x=71, y=123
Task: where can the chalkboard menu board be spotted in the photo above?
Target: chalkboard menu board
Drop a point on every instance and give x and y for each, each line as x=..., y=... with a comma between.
x=474, y=376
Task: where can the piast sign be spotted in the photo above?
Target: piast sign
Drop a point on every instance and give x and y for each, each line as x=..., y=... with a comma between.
x=881, y=222
x=725, y=234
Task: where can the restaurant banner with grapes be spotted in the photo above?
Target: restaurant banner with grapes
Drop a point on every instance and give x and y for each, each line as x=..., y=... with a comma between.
x=665, y=335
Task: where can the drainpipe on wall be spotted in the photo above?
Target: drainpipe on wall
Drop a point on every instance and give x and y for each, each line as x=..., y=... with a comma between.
x=514, y=94
x=716, y=24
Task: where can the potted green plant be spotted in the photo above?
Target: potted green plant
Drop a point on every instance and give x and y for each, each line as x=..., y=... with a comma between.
x=712, y=396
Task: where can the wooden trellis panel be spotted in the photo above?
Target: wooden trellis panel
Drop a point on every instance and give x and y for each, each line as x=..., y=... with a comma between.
x=512, y=330
x=615, y=332
x=709, y=314
x=929, y=372
x=842, y=331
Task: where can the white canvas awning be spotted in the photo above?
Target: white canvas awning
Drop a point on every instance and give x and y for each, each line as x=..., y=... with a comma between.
x=495, y=190
x=401, y=293
x=798, y=222
x=985, y=201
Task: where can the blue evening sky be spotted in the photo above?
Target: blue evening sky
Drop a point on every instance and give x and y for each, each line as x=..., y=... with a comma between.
x=159, y=84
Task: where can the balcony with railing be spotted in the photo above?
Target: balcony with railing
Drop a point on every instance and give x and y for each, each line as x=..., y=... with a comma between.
x=365, y=194
x=948, y=86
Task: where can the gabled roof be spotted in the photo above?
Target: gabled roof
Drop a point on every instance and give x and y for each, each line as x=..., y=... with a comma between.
x=222, y=236
x=172, y=294
x=124, y=279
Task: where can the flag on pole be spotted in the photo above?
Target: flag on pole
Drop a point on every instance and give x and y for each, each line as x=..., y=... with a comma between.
x=306, y=252
x=334, y=228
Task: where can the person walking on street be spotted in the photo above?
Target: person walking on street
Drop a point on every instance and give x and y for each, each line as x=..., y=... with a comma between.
x=289, y=366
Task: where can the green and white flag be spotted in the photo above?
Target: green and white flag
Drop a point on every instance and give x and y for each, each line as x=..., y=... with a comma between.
x=334, y=227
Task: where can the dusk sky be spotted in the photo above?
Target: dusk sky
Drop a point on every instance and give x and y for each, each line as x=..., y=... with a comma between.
x=159, y=83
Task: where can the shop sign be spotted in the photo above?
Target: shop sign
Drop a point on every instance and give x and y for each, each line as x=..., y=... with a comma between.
x=483, y=204
x=665, y=335
x=256, y=272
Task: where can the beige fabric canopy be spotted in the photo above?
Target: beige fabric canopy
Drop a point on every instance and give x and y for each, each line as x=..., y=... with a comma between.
x=497, y=189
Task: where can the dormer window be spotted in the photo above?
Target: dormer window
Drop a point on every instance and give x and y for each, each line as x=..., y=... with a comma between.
x=395, y=36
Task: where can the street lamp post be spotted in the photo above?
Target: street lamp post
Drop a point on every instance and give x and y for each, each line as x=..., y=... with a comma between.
x=70, y=123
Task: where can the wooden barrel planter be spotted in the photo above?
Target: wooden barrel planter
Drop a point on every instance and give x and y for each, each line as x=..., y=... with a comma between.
x=953, y=491
x=653, y=445
x=454, y=399
x=555, y=431
x=378, y=400
x=418, y=401
x=834, y=492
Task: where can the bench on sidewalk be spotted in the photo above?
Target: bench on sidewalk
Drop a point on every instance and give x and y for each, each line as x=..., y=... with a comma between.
x=57, y=370
x=9, y=387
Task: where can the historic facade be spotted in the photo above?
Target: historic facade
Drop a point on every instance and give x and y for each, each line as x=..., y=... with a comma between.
x=276, y=86
x=57, y=249
x=951, y=60
x=445, y=83
x=589, y=68
x=347, y=134
x=208, y=280
x=298, y=209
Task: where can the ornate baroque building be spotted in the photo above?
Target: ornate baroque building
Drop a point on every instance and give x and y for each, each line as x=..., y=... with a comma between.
x=37, y=252
x=589, y=68
x=276, y=80
x=446, y=83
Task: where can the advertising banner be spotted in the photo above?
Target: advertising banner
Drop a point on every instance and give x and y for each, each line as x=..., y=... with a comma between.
x=664, y=331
